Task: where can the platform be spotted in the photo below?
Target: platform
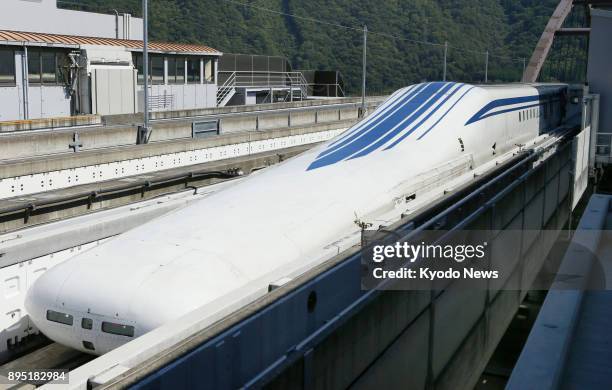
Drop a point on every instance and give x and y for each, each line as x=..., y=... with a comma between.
x=570, y=345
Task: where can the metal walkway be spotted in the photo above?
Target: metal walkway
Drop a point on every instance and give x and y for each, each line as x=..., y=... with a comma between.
x=570, y=345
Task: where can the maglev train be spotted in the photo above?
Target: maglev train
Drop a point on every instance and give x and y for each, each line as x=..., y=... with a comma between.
x=282, y=217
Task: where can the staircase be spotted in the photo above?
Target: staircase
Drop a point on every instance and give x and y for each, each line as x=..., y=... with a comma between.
x=226, y=91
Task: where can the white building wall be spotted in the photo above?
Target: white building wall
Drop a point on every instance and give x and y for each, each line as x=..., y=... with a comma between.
x=43, y=16
x=182, y=96
x=11, y=100
x=43, y=101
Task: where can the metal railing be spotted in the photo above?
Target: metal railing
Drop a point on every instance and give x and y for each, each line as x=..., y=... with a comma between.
x=328, y=90
x=603, y=147
x=228, y=86
x=161, y=102
x=286, y=80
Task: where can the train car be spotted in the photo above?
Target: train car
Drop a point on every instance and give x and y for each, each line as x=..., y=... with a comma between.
x=227, y=249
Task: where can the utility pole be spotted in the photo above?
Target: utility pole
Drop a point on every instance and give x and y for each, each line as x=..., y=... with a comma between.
x=144, y=132
x=524, y=65
x=486, y=80
x=445, y=57
x=363, y=81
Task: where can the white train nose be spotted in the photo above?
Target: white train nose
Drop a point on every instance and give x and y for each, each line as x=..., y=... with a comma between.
x=53, y=321
x=63, y=323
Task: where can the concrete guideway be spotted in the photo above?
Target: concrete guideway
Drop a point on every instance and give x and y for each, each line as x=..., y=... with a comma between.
x=534, y=187
x=26, y=254
x=17, y=213
x=122, y=130
x=545, y=188
x=41, y=174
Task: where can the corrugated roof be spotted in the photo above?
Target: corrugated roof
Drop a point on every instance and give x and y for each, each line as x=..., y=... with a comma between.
x=73, y=40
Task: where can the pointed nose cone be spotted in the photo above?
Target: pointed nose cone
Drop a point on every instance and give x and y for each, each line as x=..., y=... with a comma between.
x=46, y=313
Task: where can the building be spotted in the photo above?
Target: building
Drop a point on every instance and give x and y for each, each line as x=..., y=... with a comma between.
x=57, y=63
x=599, y=75
x=43, y=16
x=47, y=73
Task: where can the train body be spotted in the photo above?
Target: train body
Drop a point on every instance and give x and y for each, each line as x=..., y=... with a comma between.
x=228, y=248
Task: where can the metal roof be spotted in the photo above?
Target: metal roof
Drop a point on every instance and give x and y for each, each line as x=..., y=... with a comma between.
x=33, y=38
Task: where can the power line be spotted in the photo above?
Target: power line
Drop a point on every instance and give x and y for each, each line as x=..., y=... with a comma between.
x=360, y=29
x=342, y=26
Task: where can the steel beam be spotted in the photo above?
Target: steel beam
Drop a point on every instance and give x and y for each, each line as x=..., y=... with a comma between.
x=546, y=40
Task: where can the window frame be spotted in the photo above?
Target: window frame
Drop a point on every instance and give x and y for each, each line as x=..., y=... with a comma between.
x=198, y=75
x=52, y=55
x=183, y=60
x=211, y=61
x=138, y=60
x=11, y=54
x=154, y=78
x=174, y=76
x=87, y=321
x=32, y=56
x=57, y=316
x=37, y=56
x=124, y=330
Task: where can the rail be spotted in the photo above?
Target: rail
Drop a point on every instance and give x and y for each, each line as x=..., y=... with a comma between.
x=142, y=186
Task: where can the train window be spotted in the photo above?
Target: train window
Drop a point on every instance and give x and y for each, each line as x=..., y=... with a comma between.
x=86, y=323
x=118, y=329
x=62, y=318
x=88, y=345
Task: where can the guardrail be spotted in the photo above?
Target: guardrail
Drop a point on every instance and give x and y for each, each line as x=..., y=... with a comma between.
x=603, y=147
x=161, y=102
x=232, y=80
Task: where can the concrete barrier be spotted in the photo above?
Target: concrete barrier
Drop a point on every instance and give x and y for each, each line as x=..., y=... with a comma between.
x=50, y=123
x=251, y=118
x=42, y=164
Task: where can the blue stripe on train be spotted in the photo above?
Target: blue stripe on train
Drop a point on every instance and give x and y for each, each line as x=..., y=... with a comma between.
x=485, y=112
x=381, y=117
x=421, y=99
x=390, y=103
x=407, y=122
x=400, y=139
x=446, y=113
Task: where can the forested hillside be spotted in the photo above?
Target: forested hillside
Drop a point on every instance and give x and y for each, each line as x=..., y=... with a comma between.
x=508, y=29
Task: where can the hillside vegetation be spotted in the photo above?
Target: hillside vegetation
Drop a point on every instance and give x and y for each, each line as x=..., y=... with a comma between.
x=508, y=29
